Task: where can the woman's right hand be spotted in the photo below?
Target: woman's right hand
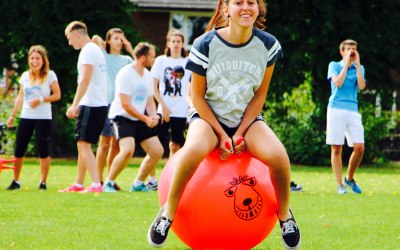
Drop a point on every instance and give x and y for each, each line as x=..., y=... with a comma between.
x=10, y=121
x=165, y=113
x=225, y=147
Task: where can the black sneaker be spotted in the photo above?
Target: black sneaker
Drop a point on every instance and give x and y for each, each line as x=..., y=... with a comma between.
x=158, y=230
x=116, y=187
x=290, y=233
x=42, y=186
x=14, y=186
x=295, y=187
x=152, y=186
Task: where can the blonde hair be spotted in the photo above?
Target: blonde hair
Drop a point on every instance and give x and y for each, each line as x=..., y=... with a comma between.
x=220, y=20
x=44, y=71
x=76, y=25
x=347, y=42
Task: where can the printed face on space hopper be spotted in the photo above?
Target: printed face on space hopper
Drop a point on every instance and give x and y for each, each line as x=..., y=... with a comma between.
x=247, y=202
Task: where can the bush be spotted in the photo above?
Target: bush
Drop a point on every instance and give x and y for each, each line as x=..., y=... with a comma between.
x=7, y=136
x=300, y=123
x=376, y=129
x=296, y=120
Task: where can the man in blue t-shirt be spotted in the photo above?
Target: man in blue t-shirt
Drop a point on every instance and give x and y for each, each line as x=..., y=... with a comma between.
x=343, y=119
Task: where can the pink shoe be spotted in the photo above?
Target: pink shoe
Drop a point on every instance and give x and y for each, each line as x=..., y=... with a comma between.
x=92, y=189
x=72, y=188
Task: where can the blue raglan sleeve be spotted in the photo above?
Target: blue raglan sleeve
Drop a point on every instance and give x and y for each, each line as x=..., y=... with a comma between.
x=198, y=57
x=271, y=44
x=274, y=51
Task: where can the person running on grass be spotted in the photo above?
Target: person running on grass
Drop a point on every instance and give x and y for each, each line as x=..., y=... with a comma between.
x=39, y=88
x=134, y=118
x=232, y=65
x=111, y=48
x=89, y=106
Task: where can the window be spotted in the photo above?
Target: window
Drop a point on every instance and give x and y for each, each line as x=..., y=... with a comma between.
x=192, y=24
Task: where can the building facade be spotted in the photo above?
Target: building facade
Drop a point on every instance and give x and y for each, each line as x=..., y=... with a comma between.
x=154, y=18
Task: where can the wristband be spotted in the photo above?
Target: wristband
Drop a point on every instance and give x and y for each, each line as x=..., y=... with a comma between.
x=41, y=100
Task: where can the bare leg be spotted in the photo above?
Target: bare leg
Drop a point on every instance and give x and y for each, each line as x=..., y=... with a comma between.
x=101, y=154
x=81, y=171
x=155, y=151
x=172, y=151
x=200, y=139
x=17, y=167
x=173, y=147
x=336, y=161
x=153, y=172
x=127, y=148
x=88, y=160
x=112, y=152
x=45, y=167
x=264, y=145
x=355, y=160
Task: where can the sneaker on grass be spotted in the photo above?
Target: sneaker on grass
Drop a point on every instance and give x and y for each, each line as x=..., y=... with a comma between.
x=341, y=189
x=295, y=187
x=152, y=186
x=140, y=188
x=109, y=188
x=71, y=189
x=158, y=230
x=92, y=189
x=290, y=233
x=353, y=185
x=14, y=186
x=43, y=186
x=117, y=187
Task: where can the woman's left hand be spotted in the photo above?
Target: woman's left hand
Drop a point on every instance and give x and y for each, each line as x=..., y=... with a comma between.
x=239, y=145
x=34, y=103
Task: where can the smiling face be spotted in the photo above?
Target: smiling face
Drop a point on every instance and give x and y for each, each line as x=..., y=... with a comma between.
x=242, y=12
x=35, y=61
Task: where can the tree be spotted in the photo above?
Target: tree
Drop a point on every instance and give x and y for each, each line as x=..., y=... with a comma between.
x=310, y=32
x=25, y=23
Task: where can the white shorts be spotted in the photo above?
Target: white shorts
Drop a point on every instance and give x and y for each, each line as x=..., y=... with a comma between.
x=341, y=123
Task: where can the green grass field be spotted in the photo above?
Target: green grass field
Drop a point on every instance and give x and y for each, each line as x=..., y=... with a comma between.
x=30, y=219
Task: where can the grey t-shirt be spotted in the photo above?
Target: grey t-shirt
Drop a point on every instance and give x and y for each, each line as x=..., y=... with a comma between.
x=233, y=72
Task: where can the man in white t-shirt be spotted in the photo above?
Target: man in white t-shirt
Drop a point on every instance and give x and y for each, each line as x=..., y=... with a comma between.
x=134, y=118
x=89, y=105
x=171, y=89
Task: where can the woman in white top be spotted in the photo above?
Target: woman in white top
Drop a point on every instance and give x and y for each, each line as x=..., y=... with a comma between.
x=39, y=87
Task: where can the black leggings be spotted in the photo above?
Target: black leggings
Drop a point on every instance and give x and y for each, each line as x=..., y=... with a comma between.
x=43, y=130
